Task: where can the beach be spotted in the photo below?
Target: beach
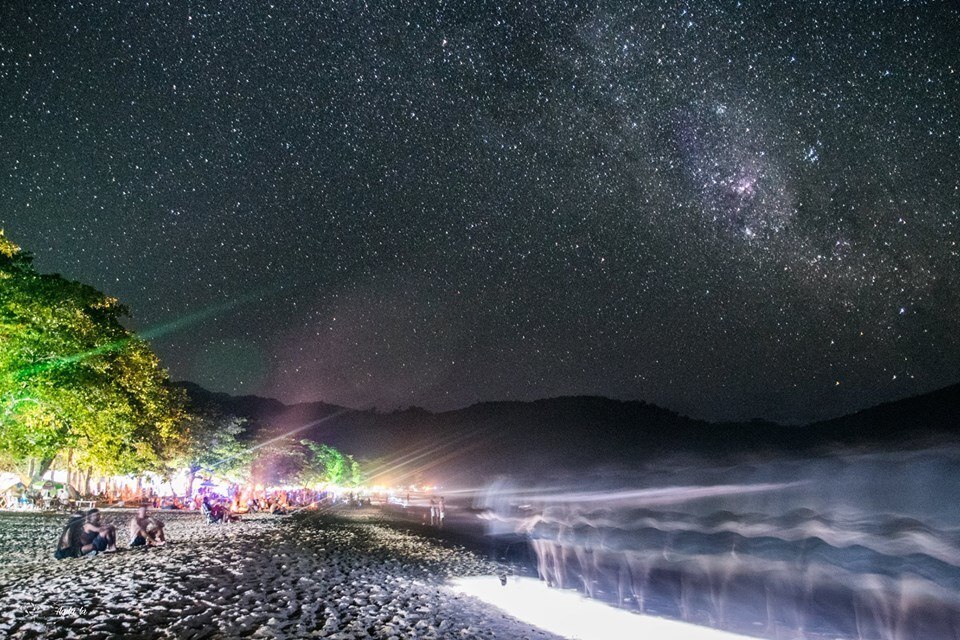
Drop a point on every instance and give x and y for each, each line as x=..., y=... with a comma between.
x=342, y=574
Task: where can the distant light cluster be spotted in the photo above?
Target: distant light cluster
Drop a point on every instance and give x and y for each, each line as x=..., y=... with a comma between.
x=733, y=209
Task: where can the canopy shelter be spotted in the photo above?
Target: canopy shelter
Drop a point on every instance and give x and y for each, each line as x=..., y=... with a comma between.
x=17, y=488
x=50, y=485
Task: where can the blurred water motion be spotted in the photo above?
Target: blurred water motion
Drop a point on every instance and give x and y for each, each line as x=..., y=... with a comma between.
x=862, y=545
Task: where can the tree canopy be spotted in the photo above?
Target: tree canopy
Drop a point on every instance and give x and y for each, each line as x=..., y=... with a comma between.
x=324, y=464
x=73, y=377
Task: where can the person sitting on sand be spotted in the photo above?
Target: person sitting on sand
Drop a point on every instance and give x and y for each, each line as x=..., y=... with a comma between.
x=146, y=530
x=101, y=538
x=69, y=543
x=211, y=511
x=230, y=513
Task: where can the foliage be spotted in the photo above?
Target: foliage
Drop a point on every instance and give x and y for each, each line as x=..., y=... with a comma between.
x=72, y=376
x=326, y=465
x=211, y=444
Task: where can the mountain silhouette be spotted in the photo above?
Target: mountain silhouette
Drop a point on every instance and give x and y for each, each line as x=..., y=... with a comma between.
x=572, y=433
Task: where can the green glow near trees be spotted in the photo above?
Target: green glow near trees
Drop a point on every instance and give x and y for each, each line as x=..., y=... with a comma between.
x=327, y=465
x=73, y=377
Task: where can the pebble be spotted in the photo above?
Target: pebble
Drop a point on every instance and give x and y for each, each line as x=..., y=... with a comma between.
x=265, y=577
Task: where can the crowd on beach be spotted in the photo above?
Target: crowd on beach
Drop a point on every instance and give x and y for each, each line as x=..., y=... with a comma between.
x=240, y=500
x=57, y=496
x=336, y=573
x=16, y=498
x=87, y=535
x=236, y=499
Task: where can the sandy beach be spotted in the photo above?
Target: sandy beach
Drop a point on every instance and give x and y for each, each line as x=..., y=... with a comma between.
x=341, y=575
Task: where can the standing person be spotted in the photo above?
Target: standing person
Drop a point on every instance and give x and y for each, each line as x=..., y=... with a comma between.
x=433, y=511
x=441, y=512
x=146, y=530
x=97, y=537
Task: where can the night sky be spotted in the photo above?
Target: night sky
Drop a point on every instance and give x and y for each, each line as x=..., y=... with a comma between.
x=731, y=209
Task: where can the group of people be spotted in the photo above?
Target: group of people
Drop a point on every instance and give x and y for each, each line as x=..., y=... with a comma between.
x=438, y=512
x=16, y=498
x=217, y=511
x=87, y=534
x=279, y=501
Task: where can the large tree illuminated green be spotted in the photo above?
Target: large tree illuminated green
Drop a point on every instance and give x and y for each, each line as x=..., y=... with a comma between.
x=326, y=465
x=72, y=376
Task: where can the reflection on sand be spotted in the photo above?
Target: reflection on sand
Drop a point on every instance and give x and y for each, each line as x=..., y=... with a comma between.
x=569, y=614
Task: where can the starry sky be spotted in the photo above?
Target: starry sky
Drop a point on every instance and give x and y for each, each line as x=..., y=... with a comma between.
x=731, y=209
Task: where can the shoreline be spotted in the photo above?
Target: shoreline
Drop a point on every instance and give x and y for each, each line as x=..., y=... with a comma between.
x=337, y=574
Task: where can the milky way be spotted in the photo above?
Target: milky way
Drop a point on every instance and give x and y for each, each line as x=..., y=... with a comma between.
x=732, y=209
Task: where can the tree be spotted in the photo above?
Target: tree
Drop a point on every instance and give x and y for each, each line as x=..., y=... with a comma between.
x=326, y=465
x=212, y=445
x=73, y=377
x=355, y=475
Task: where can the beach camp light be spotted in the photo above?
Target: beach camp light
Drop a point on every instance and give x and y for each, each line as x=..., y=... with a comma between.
x=571, y=615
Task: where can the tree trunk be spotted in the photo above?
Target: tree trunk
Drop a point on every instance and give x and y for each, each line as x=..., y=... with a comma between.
x=37, y=473
x=86, y=482
x=69, y=467
x=34, y=471
x=190, y=478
